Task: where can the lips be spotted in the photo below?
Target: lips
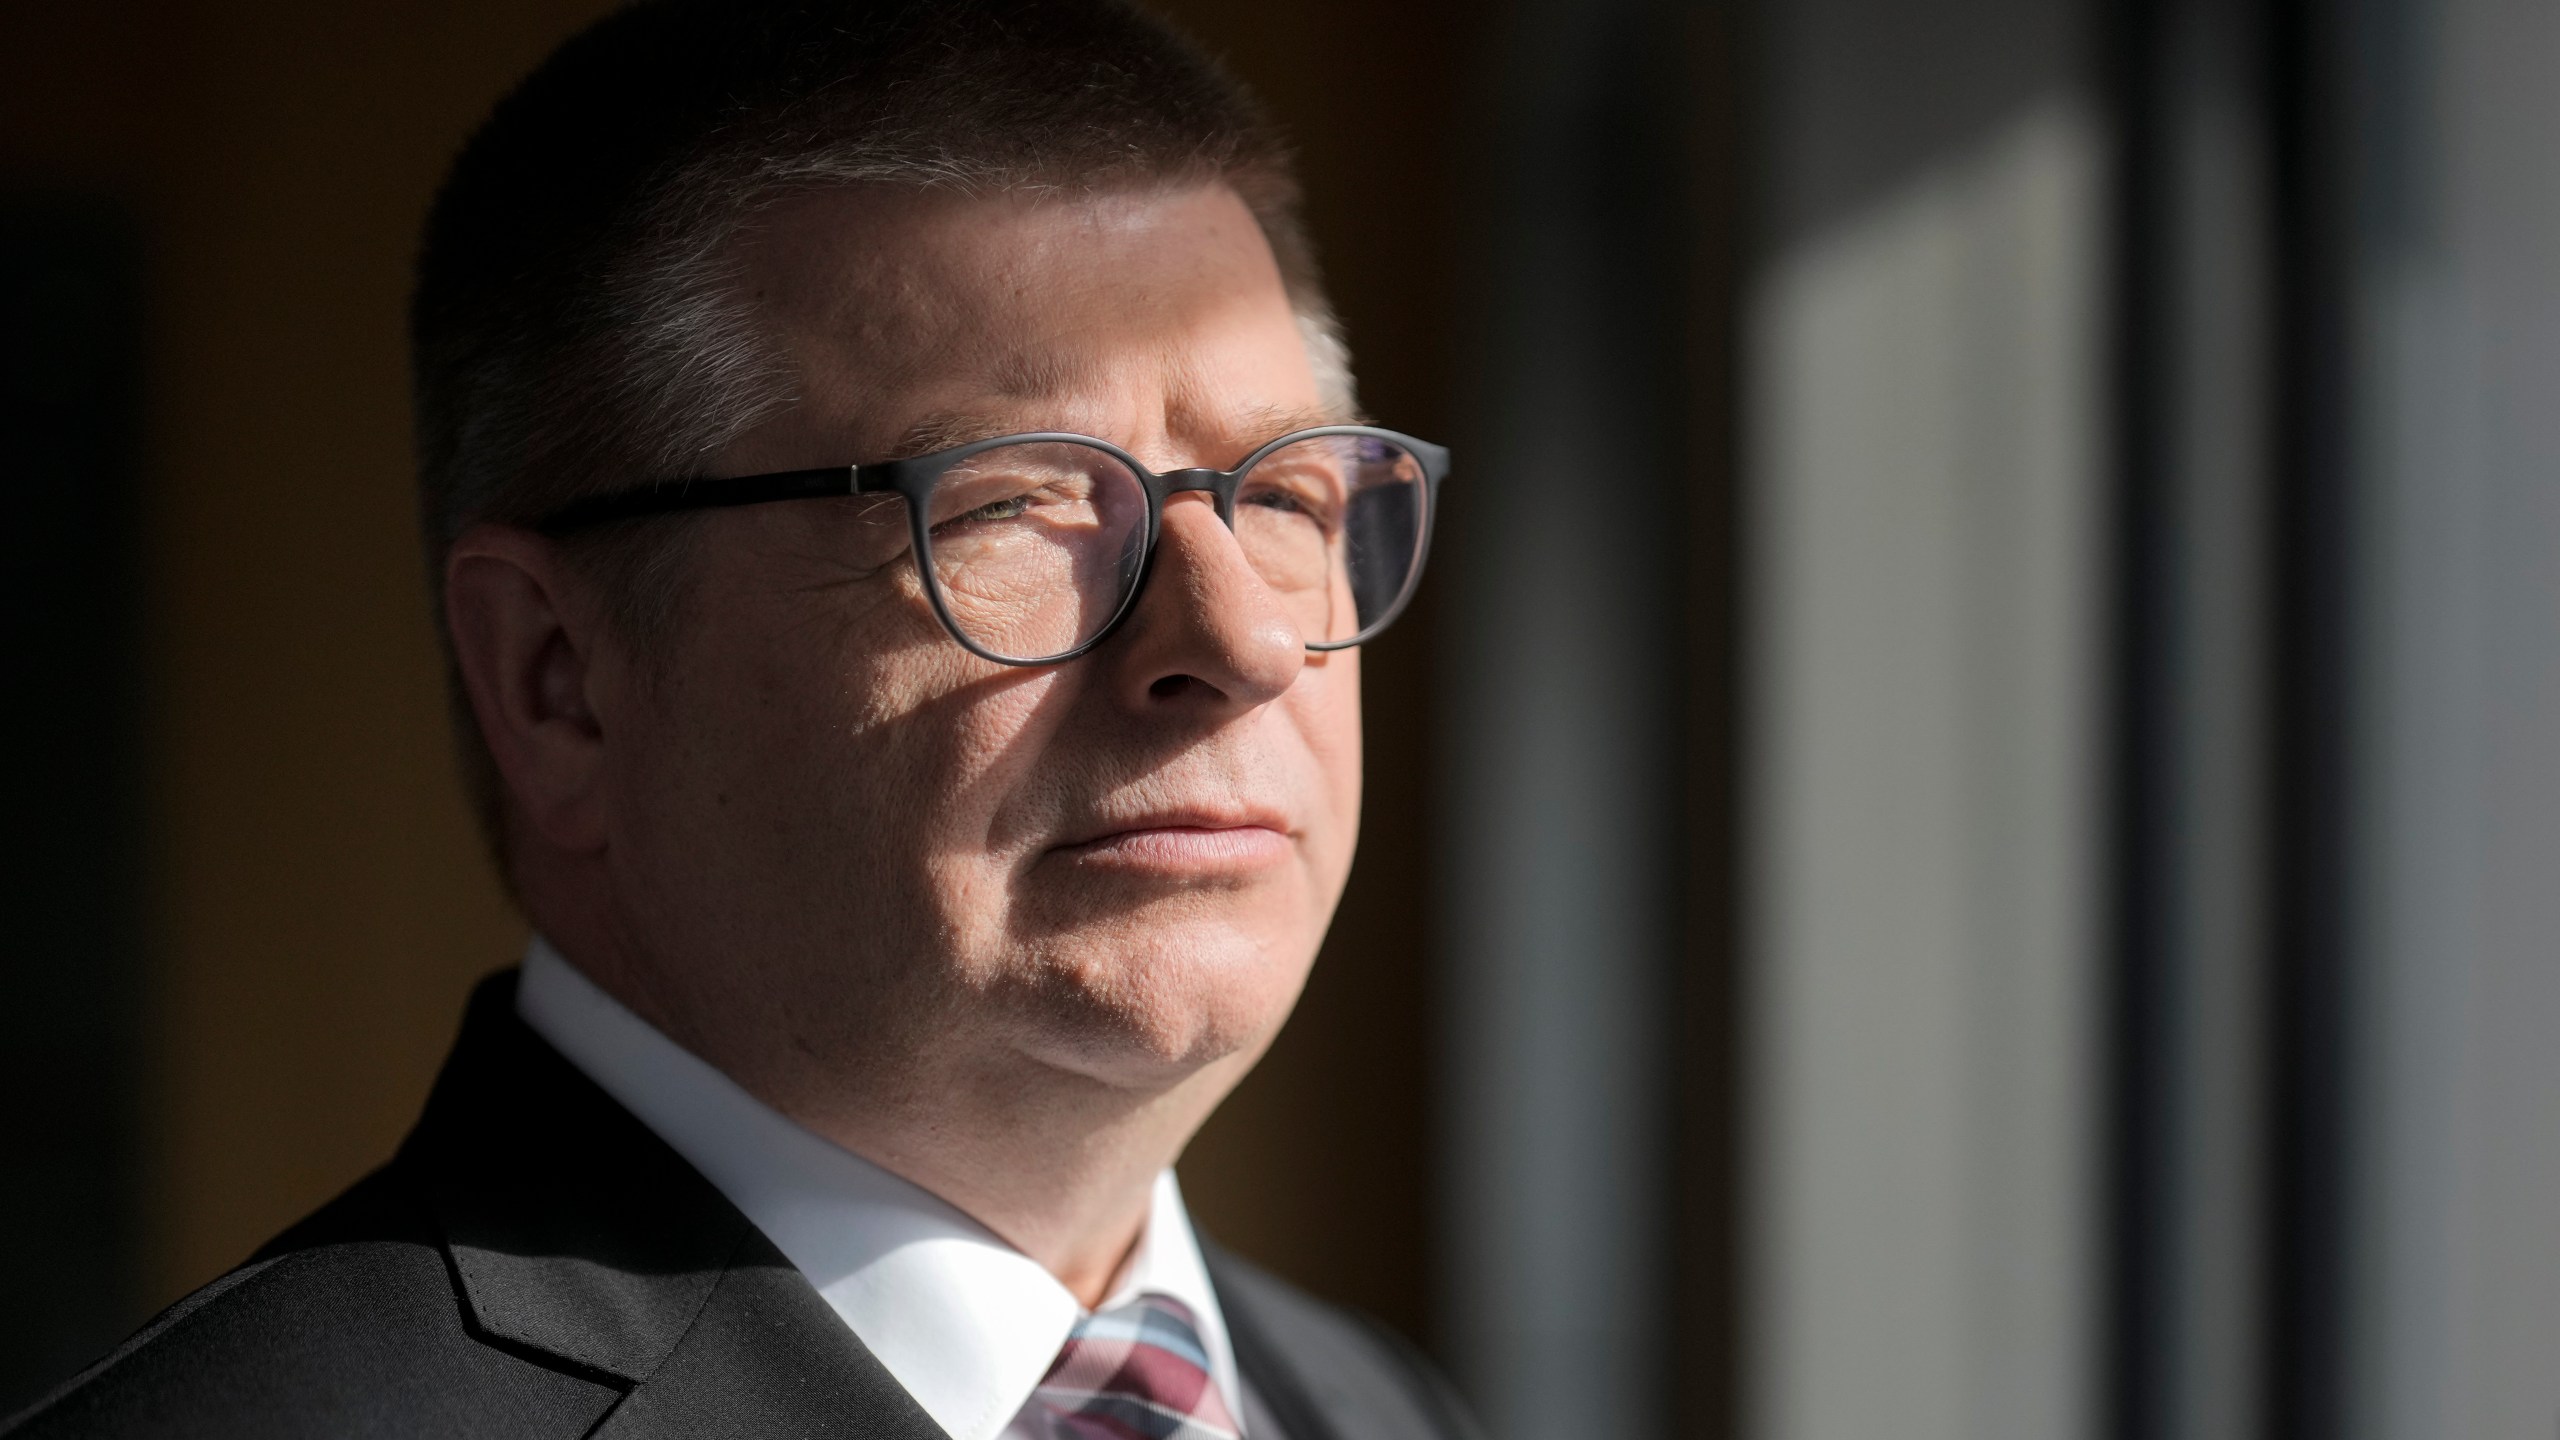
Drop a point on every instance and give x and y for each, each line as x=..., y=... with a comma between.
x=1188, y=839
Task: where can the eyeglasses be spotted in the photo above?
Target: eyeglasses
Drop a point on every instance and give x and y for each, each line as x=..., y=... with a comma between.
x=1033, y=548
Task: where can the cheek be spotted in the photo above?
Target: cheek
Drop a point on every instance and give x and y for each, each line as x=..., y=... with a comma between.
x=921, y=750
x=949, y=738
x=1325, y=705
x=839, y=761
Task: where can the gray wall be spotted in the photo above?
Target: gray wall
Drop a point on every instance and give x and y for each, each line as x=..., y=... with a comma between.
x=1922, y=837
x=1964, y=367
x=1921, y=336
x=1923, y=351
x=1557, y=849
x=2459, y=1194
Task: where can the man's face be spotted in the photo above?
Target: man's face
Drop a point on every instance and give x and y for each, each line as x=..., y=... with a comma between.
x=830, y=820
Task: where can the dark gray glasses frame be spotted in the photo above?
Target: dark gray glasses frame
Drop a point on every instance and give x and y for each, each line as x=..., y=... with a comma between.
x=913, y=480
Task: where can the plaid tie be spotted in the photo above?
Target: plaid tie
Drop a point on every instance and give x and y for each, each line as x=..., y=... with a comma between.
x=1134, y=1372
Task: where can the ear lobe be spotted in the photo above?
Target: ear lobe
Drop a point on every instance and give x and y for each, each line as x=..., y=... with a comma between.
x=526, y=646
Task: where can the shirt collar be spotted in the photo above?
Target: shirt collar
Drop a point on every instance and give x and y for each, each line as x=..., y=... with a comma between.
x=964, y=1321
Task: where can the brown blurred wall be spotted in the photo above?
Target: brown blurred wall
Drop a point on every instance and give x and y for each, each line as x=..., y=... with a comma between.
x=321, y=904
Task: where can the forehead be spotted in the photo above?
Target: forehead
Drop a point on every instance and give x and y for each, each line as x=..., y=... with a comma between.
x=903, y=313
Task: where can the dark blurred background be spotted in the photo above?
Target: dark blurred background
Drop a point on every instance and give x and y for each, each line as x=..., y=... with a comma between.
x=1965, y=842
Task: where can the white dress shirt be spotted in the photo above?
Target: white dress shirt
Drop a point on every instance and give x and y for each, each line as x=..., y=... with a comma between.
x=964, y=1321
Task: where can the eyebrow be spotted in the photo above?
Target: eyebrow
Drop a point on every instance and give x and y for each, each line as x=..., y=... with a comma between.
x=1267, y=421
x=944, y=429
x=947, y=429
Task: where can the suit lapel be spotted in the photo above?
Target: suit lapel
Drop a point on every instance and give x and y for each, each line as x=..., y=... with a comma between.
x=766, y=1357
x=1278, y=1384
x=576, y=1233
x=1325, y=1375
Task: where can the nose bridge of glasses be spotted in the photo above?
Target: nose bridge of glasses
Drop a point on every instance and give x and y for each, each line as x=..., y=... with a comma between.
x=1218, y=485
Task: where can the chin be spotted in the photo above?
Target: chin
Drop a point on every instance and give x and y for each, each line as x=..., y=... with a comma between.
x=1155, y=1006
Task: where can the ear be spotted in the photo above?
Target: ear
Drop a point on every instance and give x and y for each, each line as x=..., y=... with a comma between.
x=526, y=638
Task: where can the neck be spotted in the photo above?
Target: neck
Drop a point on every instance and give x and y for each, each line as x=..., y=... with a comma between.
x=1062, y=1168
x=1059, y=1163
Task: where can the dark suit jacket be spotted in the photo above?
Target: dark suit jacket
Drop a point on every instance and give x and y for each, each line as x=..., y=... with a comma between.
x=534, y=1262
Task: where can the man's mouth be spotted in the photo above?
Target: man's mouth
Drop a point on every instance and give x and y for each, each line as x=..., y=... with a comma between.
x=1202, y=842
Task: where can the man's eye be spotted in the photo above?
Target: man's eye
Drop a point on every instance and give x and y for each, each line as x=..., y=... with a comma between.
x=1292, y=500
x=1012, y=508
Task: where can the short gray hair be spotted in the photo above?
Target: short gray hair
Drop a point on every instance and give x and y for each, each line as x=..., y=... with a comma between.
x=577, y=325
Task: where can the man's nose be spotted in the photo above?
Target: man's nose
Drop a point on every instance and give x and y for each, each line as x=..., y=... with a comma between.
x=1208, y=628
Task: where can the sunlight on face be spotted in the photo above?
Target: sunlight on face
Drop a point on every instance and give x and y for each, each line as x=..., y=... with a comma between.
x=1122, y=865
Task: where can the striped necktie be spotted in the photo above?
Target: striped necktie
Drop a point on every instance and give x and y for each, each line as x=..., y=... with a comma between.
x=1134, y=1372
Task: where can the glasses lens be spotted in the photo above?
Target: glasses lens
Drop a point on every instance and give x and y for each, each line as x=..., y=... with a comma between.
x=1334, y=524
x=1035, y=547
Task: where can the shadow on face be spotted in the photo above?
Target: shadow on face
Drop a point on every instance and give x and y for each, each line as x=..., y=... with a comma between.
x=832, y=821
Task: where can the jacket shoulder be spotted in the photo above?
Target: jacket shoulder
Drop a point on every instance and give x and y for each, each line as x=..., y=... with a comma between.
x=346, y=1325
x=1356, y=1376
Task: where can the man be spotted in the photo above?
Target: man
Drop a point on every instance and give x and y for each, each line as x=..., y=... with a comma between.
x=902, y=542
